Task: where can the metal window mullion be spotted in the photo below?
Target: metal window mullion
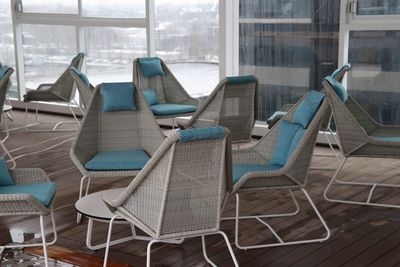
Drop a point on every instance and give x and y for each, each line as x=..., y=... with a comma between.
x=19, y=51
x=150, y=28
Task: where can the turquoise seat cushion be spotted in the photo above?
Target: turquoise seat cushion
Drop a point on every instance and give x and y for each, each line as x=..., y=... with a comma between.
x=338, y=88
x=387, y=138
x=276, y=115
x=201, y=134
x=238, y=170
x=118, y=96
x=5, y=177
x=151, y=66
x=151, y=96
x=241, y=79
x=3, y=71
x=82, y=76
x=172, y=109
x=134, y=159
x=44, y=192
x=289, y=135
x=308, y=107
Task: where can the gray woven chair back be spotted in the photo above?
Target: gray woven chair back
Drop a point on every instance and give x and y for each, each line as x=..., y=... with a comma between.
x=117, y=130
x=5, y=84
x=353, y=123
x=85, y=92
x=295, y=172
x=167, y=87
x=182, y=189
x=65, y=85
x=338, y=75
x=232, y=105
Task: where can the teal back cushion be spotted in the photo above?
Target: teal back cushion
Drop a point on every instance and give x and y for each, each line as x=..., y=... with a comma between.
x=289, y=135
x=151, y=66
x=118, y=96
x=5, y=177
x=241, y=79
x=201, y=134
x=308, y=107
x=3, y=71
x=337, y=71
x=82, y=76
x=338, y=88
x=151, y=96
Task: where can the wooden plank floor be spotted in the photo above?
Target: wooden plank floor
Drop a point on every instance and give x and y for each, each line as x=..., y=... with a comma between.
x=361, y=236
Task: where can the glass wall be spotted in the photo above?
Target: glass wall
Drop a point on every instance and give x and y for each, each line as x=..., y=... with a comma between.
x=187, y=39
x=48, y=50
x=289, y=45
x=378, y=7
x=109, y=52
x=375, y=77
x=7, y=54
x=114, y=9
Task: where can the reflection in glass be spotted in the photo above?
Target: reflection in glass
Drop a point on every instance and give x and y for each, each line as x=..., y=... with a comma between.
x=187, y=36
x=7, y=56
x=110, y=52
x=378, y=7
x=273, y=9
x=289, y=59
x=114, y=9
x=375, y=77
x=48, y=50
x=53, y=6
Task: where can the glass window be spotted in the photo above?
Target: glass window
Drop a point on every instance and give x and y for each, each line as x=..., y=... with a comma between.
x=187, y=39
x=275, y=9
x=48, y=50
x=289, y=59
x=53, y=6
x=378, y=7
x=110, y=51
x=7, y=55
x=375, y=77
x=114, y=9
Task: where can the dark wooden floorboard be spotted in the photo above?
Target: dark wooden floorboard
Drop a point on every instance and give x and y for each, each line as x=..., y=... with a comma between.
x=361, y=236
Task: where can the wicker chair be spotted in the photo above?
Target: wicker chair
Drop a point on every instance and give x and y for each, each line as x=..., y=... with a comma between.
x=338, y=74
x=118, y=132
x=359, y=136
x=63, y=91
x=232, y=104
x=172, y=99
x=181, y=191
x=5, y=84
x=17, y=200
x=258, y=168
x=85, y=88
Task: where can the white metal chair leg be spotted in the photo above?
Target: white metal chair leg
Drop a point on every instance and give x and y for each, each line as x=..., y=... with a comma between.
x=56, y=123
x=367, y=202
x=209, y=261
x=44, y=244
x=108, y=240
x=79, y=215
x=46, y=258
x=148, y=256
x=280, y=242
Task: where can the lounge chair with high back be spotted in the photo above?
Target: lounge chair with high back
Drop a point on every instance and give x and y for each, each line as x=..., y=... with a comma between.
x=117, y=136
x=280, y=161
x=61, y=91
x=182, y=190
x=359, y=136
x=232, y=104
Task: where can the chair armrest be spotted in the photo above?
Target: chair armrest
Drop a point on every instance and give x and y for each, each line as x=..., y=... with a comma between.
x=29, y=176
